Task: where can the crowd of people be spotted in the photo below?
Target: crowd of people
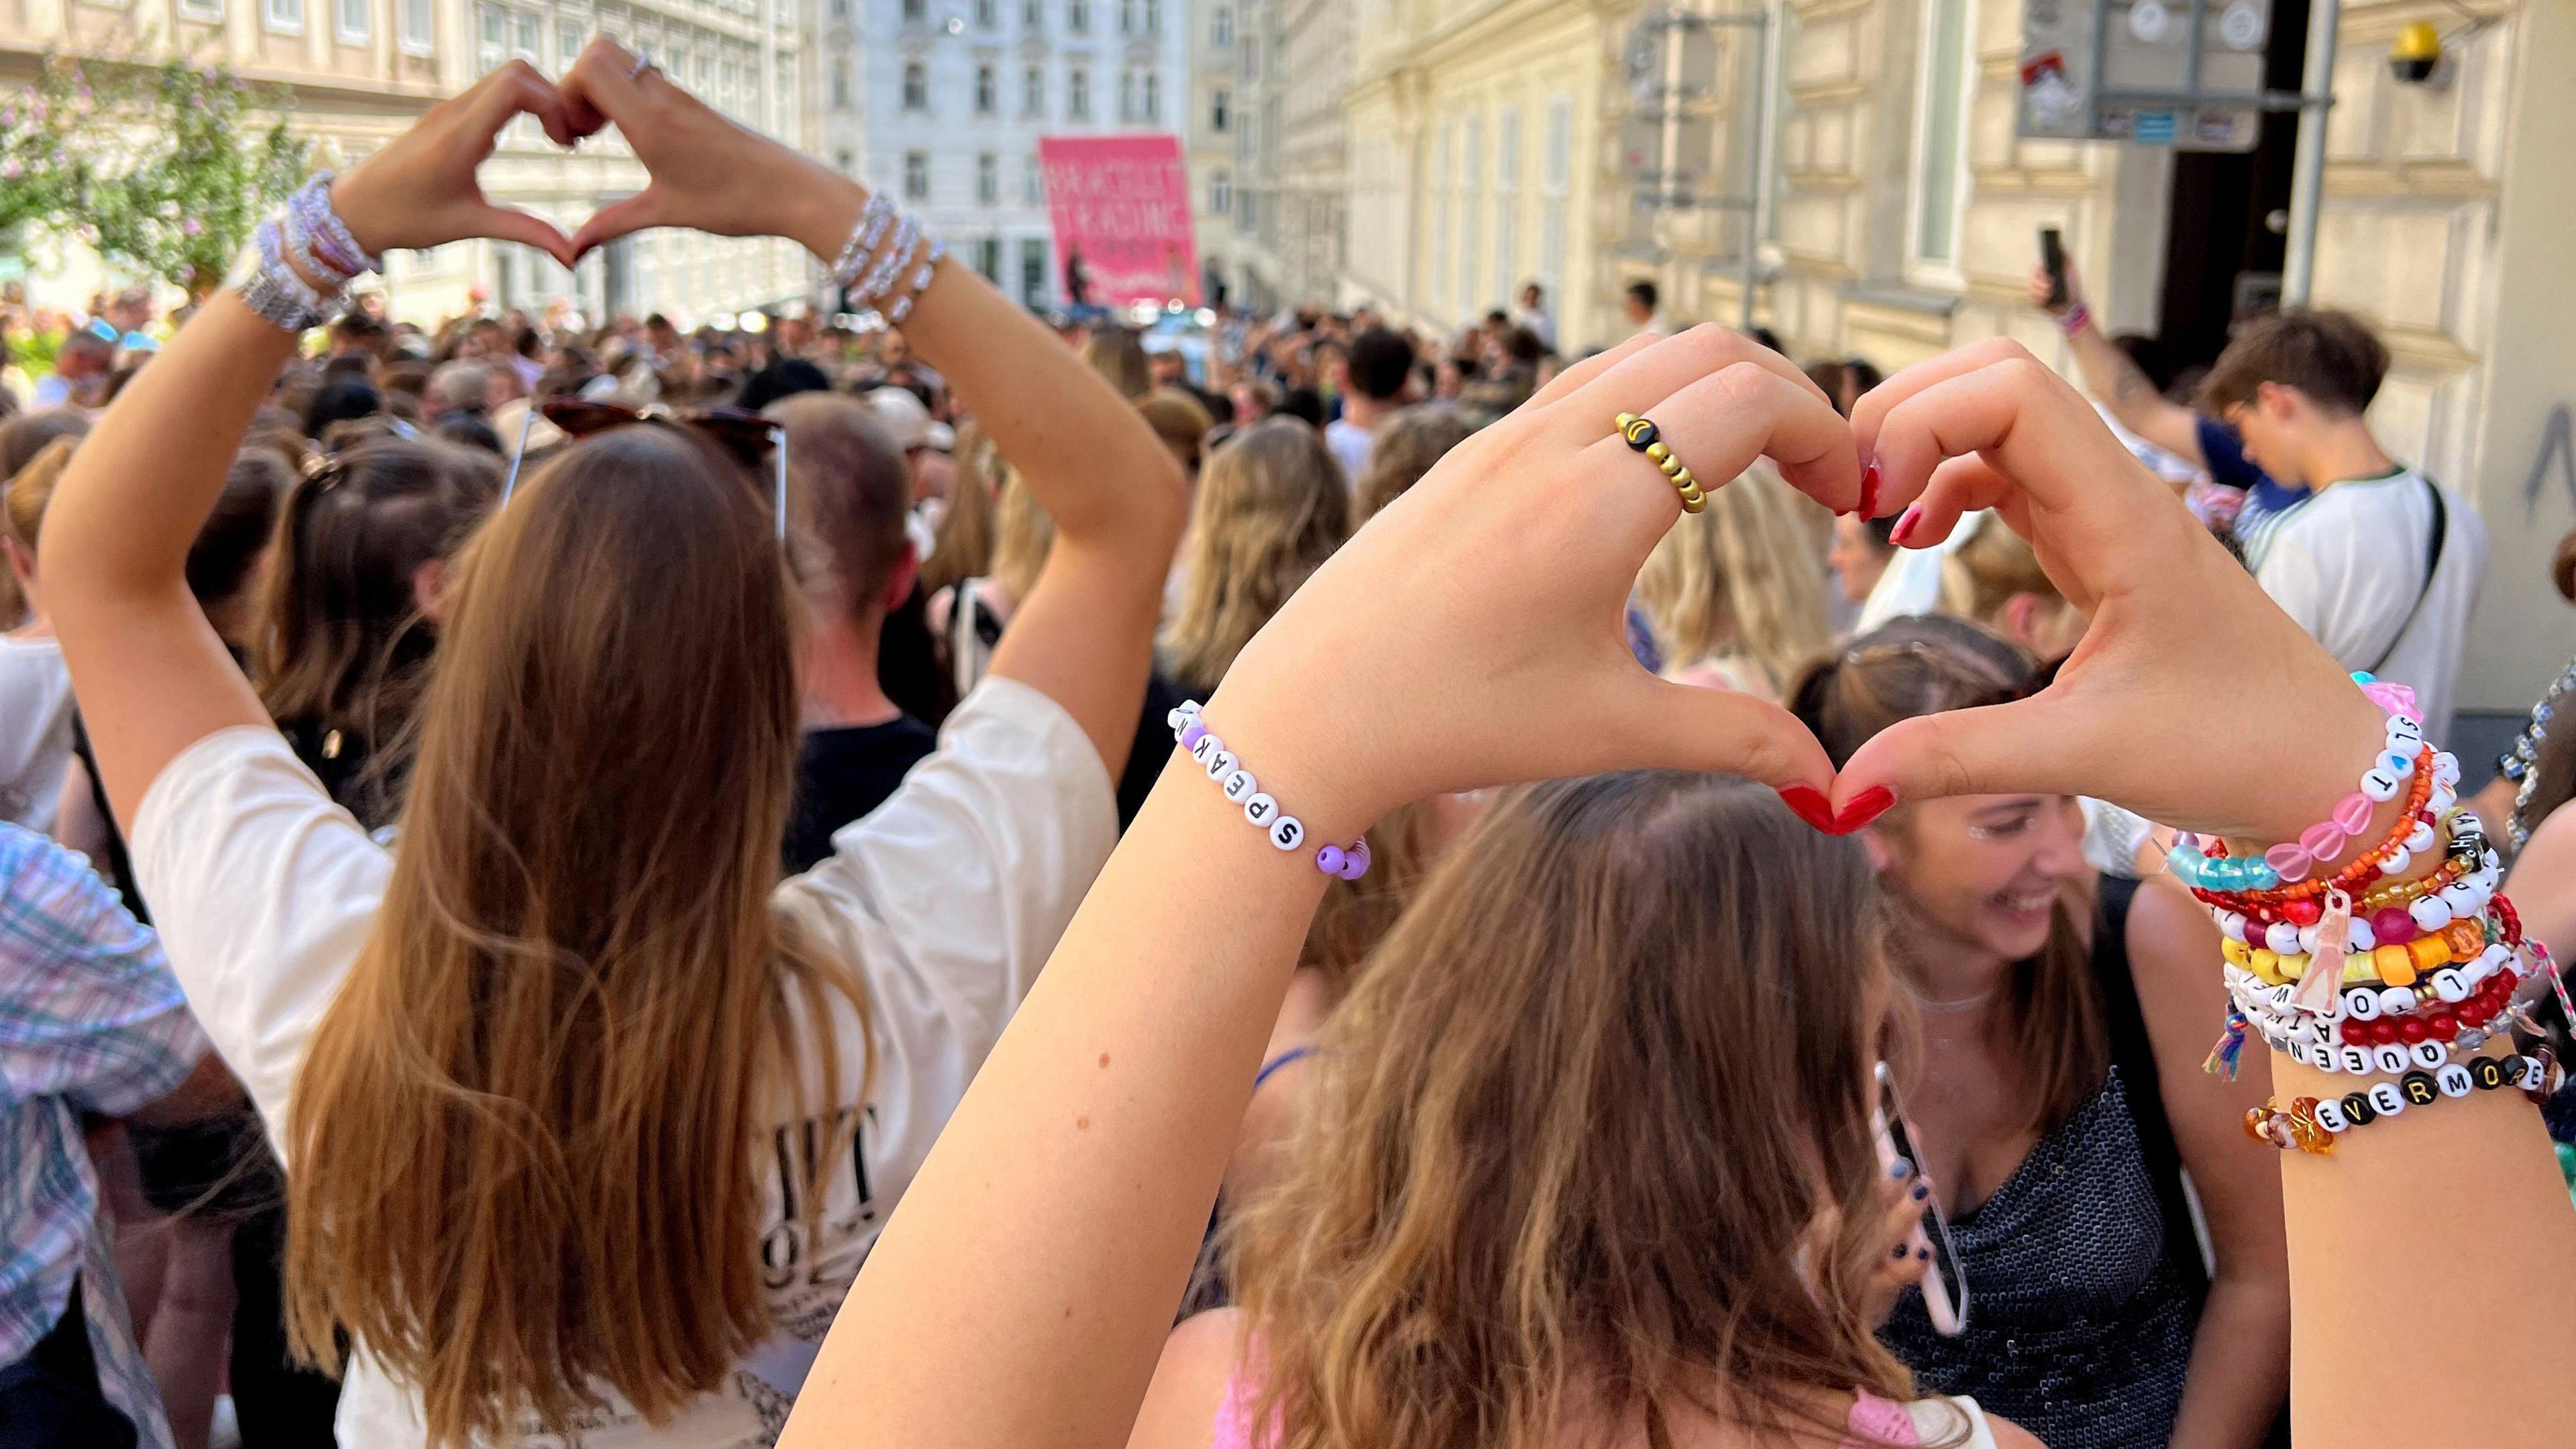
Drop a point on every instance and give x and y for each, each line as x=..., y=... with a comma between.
x=984, y=880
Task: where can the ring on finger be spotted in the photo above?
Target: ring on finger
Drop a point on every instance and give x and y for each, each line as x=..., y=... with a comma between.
x=1642, y=435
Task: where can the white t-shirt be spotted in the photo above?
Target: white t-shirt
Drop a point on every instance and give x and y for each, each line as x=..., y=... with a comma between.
x=1350, y=444
x=2348, y=565
x=35, y=731
x=948, y=898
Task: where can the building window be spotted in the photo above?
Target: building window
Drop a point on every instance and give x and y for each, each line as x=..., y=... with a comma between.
x=840, y=9
x=988, y=259
x=1471, y=173
x=916, y=176
x=1077, y=16
x=567, y=44
x=351, y=20
x=845, y=161
x=1221, y=28
x=987, y=91
x=1221, y=110
x=1153, y=96
x=203, y=9
x=1556, y=175
x=419, y=25
x=1153, y=17
x=841, y=83
x=1940, y=162
x=286, y=17
x=916, y=86
x=487, y=26
x=1033, y=271
x=1126, y=96
x=1033, y=91
x=1077, y=94
x=1126, y=17
x=1220, y=194
x=1507, y=211
x=1033, y=182
x=988, y=14
x=526, y=39
x=916, y=11
x=988, y=179
x=1033, y=15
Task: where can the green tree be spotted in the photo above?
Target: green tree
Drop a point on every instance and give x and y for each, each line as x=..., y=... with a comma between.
x=164, y=168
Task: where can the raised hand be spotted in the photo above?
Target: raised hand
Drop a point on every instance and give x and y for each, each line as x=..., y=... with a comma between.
x=420, y=191
x=1471, y=635
x=709, y=174
x=2186, y=664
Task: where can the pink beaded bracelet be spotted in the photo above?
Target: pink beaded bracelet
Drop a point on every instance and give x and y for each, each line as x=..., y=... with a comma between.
x=2325, y=840
x=1287, y=832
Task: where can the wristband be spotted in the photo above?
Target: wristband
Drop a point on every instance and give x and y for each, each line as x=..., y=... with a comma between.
x=2075, y=319
x=1286, y=832
x=270, y=288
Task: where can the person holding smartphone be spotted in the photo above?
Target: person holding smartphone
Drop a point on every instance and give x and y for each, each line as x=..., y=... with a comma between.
x=2057, y=1097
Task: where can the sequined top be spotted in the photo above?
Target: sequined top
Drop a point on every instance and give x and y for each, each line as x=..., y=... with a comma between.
x=2082, y=1304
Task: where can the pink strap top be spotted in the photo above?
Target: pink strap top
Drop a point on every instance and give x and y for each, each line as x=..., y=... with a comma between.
x=1875, y=1423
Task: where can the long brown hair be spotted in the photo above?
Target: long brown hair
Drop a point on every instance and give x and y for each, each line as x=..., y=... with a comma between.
x=522, y=1142
x=1271, y=508
x=1591, y=1134
x=1932, y=665
x=1745, y=576
x=342, y=644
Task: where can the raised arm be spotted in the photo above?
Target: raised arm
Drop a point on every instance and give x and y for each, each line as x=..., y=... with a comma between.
x=2173, y=622
x=1023, y=1289
x=153, y=677
x=1084, y=636
x=2111, y=377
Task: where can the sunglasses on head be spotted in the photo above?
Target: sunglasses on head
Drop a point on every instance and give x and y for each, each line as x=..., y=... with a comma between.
x=746, y=436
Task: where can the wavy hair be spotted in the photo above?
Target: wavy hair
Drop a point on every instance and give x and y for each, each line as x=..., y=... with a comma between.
x=1272, y=506
x=512, y=1184
x=1592, y=1138
x=1744, y=576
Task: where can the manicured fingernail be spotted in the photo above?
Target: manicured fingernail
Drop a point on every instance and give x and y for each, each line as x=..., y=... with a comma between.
x=1900, y=1167
x=1922, y=1190
x=1809, y=804
x=1905, y=524
x=1865, y=807
x=1868, y=491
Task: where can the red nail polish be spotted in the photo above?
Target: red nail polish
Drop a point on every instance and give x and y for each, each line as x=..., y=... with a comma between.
x=1809, y=804
x=1865, y=807
x=1905, y=524
x=1868, y=492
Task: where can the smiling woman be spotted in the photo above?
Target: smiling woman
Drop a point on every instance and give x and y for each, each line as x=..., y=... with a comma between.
x=2057, y=1097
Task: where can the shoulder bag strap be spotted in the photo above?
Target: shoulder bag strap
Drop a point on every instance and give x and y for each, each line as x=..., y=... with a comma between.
x=2440, y=534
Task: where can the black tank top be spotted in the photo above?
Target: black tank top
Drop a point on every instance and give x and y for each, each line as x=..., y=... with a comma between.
x=2085, y=1279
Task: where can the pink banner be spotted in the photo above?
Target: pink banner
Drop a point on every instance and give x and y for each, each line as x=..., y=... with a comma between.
x=1121, y=210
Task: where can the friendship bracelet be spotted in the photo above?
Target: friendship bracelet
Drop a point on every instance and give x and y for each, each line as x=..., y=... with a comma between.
x=920, y=283
x=327, y=242
x=2075, y=319
x=2311, y=1124
x=272, y=290
x=907, y=234
x=1348, y=862
x=870, y=229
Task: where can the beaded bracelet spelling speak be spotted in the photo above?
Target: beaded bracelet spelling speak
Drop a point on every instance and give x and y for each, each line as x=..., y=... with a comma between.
x=1287, y=832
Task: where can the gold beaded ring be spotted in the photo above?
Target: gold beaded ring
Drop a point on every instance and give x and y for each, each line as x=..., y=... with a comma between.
x=1642, y=435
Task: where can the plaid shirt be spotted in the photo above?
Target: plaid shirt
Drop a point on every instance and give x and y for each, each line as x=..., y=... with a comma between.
x=90, y=1021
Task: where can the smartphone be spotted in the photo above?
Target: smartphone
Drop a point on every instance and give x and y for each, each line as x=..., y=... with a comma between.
x=2052, y=255
x=1945, y=1288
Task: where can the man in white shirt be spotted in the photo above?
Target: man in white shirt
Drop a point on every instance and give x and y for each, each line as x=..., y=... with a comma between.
x=2380, y=564
x=1533, y=315
x=1380, y=366
x=1642, y=303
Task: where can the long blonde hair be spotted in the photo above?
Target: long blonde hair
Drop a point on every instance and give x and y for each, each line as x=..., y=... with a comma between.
x=1271, y=508
x=522, y=1143
x=1745, y=576
x=1591, y=1135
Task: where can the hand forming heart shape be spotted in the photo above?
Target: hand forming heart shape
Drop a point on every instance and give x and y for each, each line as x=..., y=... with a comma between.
x=1520, y=545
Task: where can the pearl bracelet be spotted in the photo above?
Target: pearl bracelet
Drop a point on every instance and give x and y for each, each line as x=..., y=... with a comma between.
x=1287, y=832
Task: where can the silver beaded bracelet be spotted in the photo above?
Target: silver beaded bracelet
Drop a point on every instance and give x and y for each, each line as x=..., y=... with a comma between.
x=269, y=287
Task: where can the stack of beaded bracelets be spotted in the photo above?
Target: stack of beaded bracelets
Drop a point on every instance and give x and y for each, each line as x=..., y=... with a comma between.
x=884, y=265
x=310, y=234
x=2361, y=973
x=1348, y=862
